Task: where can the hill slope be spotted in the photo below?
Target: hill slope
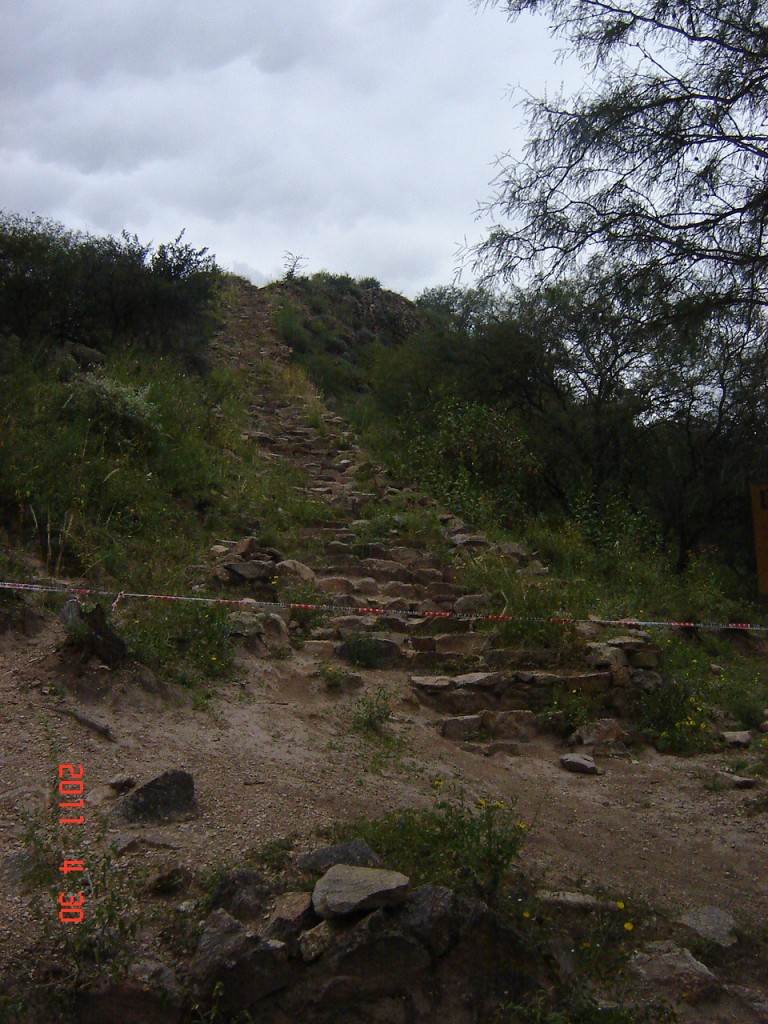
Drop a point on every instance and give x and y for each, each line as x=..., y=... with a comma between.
x=330, y=716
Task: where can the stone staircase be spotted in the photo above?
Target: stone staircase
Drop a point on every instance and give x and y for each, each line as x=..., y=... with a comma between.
x=480, y=693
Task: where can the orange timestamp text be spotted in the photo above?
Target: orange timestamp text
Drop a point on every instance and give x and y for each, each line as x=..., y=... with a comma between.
x=71, y=798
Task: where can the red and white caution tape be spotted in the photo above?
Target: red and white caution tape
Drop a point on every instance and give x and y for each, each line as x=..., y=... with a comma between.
x=248, y=602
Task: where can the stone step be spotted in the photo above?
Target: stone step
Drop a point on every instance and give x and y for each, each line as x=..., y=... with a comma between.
x=438, y=625
x=373, y=651
x=519, y=726
x=430, y=661
x=472, y=692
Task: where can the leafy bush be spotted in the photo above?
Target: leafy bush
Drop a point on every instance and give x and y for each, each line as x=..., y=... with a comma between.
x=121, y=412
x=469, y=848
x=675, y=716
x=189, y=641
x=58, y=285
x=334, y=678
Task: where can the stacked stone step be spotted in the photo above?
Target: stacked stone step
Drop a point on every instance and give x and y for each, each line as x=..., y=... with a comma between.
x=496, y=710
x=405, y=585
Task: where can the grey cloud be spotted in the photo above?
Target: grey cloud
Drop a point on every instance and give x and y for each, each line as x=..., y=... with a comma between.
x=358, y=132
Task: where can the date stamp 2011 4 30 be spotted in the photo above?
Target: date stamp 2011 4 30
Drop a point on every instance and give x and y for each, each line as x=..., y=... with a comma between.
x=71, y=798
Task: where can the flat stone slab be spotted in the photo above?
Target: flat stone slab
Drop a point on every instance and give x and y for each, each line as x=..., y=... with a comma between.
x=477, y=680
x=469, y=540
x=347, y=890
x=604, y=732
x=736, y=781
x=675, y=969
x=574, y=901
x=464, y=727
x=335, y=585
x=432, y=684
x=509, y=725
x=741, y=738
x=712, y=924
x=580, y=764
x=383, y=570
x=461, y=643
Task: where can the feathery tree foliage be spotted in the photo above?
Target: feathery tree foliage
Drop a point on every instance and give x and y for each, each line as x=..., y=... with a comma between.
x=661, y=160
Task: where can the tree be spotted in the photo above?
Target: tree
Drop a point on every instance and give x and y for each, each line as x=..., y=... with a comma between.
x=661, y=161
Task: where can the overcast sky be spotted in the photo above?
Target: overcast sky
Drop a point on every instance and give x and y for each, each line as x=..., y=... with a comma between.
x=360, y=134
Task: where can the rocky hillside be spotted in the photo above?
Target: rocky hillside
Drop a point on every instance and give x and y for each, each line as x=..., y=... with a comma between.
x=385, y=810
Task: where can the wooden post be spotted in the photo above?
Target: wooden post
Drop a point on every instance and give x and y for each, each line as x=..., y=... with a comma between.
x=760, y=522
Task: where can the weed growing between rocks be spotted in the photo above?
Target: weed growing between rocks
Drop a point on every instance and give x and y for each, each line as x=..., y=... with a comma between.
x=590, y=945
x=681, y=716
x=305, y=593
x=531, y=600
x=586, y=576
x=674, y=718
x=214, y=1013
x=571, y=709
x=364, y=651
x=411, y=524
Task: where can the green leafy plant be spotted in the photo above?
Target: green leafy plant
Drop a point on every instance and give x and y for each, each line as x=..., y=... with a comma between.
x=571, y=708
x=334, y=678
x=470, y=847
x=371, y=713
x=674, y=717
x=101, y=944
x=577, y=1006
x=188, y=641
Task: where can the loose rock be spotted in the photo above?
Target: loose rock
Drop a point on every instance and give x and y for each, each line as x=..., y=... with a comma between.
x=742, y=738
x=355, y=852
x=169, y=797
x=345, y=890
x=712, y=924
x=579, y=763
x=677, y=970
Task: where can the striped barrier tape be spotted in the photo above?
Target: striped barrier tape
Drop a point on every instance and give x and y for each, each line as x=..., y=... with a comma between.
x=248, y=602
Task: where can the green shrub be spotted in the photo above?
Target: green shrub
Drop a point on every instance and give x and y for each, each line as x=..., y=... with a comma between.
x=675, y=717
x=305, y=593
x=571, y=709
x=289, y=326
x=188, y=641
x=59, y=285
x=371, y=714
x=119, y=411
x=334, y=678
x=469, y=848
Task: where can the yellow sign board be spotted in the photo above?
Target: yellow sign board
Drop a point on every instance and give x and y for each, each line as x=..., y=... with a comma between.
x=760, y=521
